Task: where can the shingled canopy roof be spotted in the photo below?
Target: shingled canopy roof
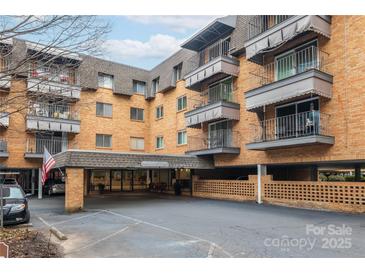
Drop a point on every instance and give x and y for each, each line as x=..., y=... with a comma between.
x=107, y=159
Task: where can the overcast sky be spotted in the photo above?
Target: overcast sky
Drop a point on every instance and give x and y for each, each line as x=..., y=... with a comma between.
x=144, y=41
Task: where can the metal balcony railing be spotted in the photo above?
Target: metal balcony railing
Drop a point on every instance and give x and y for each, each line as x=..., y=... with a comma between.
x=54, y=145
x=291, y=64
x=222, y=138
x=3, y=145
x=219, y=92
x=291, y=126
x=56, y=111
x=261, y=23
x=219, y=48
x=58, y=74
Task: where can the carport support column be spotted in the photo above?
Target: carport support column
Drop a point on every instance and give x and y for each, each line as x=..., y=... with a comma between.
x=74, y=193
x=40, y=190
x=261, y=171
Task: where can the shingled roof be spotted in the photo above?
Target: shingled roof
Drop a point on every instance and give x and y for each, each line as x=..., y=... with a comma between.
x=107, y=159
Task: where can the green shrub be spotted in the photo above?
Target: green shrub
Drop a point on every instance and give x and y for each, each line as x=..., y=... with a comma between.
x=336, y=178
x=322, y=178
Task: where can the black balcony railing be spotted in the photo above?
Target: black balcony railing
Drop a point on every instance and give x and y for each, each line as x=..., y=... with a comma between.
x=291, y=126
x=289, y=65
x=222, y=138
x=261, y=23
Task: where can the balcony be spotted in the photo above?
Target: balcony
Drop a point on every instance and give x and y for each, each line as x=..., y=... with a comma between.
x=216, y=103
x=3, y=148
x=222, y=141
x=215, y=63
x=4, y=120
x=55, y=81
x=34, y=148
x=299, y=74
x=53, y=117
x=306, y=128
x=268, y=31
x=5, y=78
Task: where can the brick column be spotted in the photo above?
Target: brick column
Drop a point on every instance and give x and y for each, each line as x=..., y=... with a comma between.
x=74, y=194
x=194, y=178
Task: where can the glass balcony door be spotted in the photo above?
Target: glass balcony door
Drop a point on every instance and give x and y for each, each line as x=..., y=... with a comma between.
x=221, y=91
x=296, y=61
x=297, y=119
x=220, y=134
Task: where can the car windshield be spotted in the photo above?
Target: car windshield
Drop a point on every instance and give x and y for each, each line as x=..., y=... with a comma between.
x=13, y=193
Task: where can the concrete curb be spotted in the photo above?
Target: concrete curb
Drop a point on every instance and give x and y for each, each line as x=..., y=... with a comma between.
x=58, y=233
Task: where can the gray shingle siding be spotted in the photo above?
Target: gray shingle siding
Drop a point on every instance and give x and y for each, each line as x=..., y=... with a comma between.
x=123, y=74
x=164, y=70
x=240, y=34
x=100, y=159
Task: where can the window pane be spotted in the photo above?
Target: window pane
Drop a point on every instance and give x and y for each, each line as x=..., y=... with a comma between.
x=99, y=109
x=99, y=140
x=107, y=141
x=108, y=110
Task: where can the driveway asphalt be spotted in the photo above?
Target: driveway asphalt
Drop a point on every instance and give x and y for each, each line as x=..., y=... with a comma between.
x=153, y=225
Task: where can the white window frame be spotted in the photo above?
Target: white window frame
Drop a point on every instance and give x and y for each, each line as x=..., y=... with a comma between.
x=155, y=85
x=159, y=112
x=177, y=72
x=162, y=142
x=137, y=113
x=134, y=143
x=186, y=137
x=104, y=105
x=138, y=83
x=177, y=103
x=103, y=140
x=102, y=82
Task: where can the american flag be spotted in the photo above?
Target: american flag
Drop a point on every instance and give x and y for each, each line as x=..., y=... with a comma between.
x=48, y=164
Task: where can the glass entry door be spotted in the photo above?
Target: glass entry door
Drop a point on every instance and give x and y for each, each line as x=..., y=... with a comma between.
x=116, y=180
x=127, y=183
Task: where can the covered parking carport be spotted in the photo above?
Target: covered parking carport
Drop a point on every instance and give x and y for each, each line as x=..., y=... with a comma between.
x=80, y=167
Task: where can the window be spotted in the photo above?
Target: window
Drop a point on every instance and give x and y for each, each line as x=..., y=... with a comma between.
x=103, y=140
x=137, y=143
x=296, y=61
x=137, y=114
x=181, y=137
x=159, y=142
x=139, y=87
x=105, y=80
x=104, y=110
x=159, y=112
x=181, y=103
x=155, y=83
x=177, y=72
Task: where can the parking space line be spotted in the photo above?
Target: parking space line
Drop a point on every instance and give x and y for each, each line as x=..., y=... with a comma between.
x=44, y=221
x=76, y=218
x=104, y=238
x=171, y=230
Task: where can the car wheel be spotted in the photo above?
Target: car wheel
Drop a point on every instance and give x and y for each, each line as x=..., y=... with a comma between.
x=27, y=218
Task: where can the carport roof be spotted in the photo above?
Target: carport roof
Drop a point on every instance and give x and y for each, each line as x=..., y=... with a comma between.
x=107, y=159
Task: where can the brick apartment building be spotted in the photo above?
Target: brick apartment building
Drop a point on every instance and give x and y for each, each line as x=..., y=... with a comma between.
x=246, y=98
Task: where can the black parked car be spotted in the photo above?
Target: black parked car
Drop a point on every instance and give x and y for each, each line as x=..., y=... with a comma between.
x=15, y=205
x=8, y=181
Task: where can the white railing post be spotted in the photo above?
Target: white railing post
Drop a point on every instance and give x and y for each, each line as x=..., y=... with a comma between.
x=261, y=171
